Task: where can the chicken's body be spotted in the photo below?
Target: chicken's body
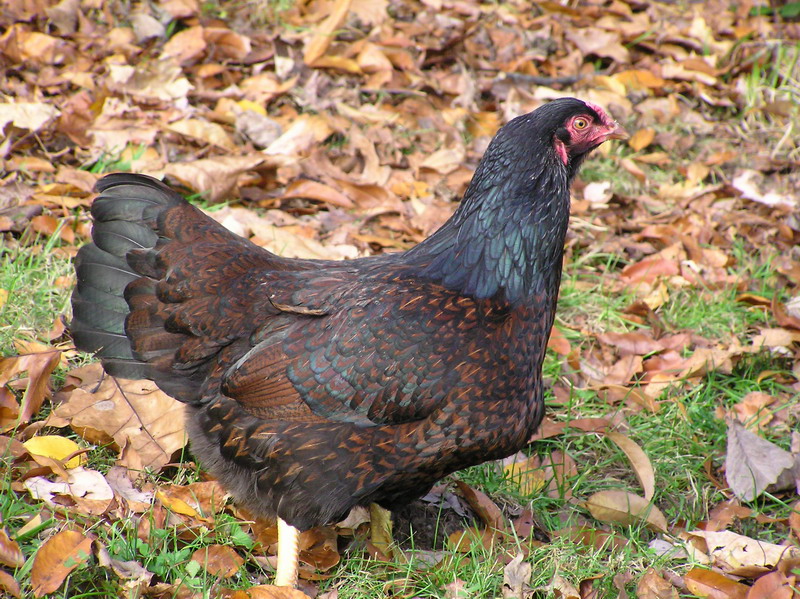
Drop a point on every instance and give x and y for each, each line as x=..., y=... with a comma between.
x=315, y=386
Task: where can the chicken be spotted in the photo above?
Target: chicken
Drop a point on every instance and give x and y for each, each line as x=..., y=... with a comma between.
x=314, y=386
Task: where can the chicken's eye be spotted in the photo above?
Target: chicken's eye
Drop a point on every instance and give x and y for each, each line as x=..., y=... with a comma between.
x=581, y=123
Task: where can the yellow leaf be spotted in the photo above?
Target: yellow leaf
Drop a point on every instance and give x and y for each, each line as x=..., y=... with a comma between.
x=250, y=105
x=527, y=474
x=641, y=139
x=626, y=509
x=179, y=506
x=324, y=34
x=55, y=447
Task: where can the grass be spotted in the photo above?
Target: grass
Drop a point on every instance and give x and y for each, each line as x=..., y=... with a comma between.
x=37, y=279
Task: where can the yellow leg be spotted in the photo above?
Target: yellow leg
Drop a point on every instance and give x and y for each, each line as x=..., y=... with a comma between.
x=288, y=555
x=380, y=526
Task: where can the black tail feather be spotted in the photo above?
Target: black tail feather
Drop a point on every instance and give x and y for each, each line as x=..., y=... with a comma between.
x=124, y=217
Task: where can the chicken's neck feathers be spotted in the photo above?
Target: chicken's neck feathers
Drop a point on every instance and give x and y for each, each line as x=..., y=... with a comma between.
x=506, y=239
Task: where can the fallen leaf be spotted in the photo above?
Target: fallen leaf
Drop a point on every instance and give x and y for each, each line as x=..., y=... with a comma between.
x=56, y=558
x=10, y=553
x=56, y=447
x=653, y=586
x=707, y=583
x=324, y=34
x=625, y=508
x=143, y=421
x=10, y=585
x=265, y=591
x=39, y=367
x=219, y=560
x=516, y=578
x=483, y=506
x=216, y=178
x=526, y=472
x=204, y=131
x=753, y=463
x=743, y=556
x=32, y=116
x=635, y=343
x=560, y=588
x=775, y=585
x=639, y=460
x=649, y=270
x=641, y=139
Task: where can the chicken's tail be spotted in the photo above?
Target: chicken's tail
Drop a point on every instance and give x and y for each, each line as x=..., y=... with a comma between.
x=124, y=215
x=150, y=297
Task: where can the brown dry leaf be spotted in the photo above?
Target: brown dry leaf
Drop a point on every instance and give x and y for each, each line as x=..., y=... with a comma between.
x=324, y=33
x=303, y=134
x=215, y=178
x=626, y=509
x=488, y=511
x=636, y=343
x=711, y=584
x=753, y=463
x=775, y=585
x=560, y=588
x=204, y=131
x=794, y=520
x=185, y=45
x=32, y=116
x=648, y=270
x=639, y=460
x=264, y=591
x=228, y=43
x=279, y=240
x=319, y=546
x=516, y=579
x=592, y=40
x=144, y=422
x=763, y=189
x=156, y=81
x=56, y=558
x=314, y=190
x=10, y=553
x=641, y=139
x=87, y=490
x=39, y=368
x=219, y=560
x=753, y=410
x=773, y=338
x=197, y=500
x=653, y=586
x=558, y=343
x=444, y=161
x=10, y=585
x=548, y=428
x=742, y=556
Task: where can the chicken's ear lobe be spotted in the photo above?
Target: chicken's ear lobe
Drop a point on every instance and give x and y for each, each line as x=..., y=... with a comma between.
x=561, y=150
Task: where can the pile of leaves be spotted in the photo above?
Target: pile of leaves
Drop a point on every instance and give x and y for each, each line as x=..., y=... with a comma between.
x=343, y=128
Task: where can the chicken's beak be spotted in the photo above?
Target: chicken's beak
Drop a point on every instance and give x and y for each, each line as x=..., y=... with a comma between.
x=617, y=131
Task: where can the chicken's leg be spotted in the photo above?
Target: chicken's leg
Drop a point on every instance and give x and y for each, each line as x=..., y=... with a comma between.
x=288, y=555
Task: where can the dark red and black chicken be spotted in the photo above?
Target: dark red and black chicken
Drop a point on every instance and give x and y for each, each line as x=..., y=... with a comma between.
x=316, y=386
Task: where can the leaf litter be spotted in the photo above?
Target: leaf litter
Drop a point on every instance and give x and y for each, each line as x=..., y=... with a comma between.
x=347, y=128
